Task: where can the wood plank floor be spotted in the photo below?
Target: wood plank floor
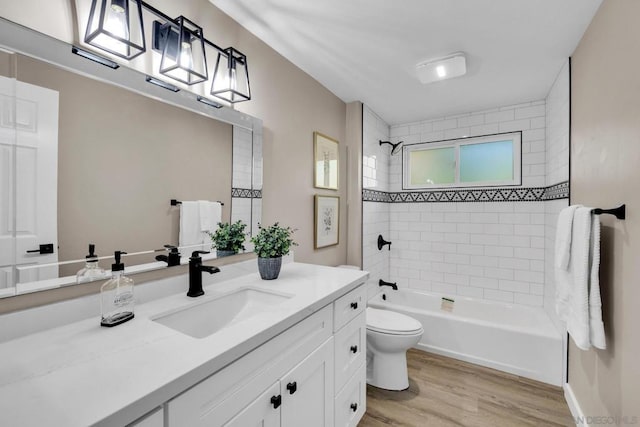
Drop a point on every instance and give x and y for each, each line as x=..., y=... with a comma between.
x=448, y=392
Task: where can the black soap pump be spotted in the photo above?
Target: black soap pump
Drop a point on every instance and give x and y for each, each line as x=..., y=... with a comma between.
x=116, y=295
x=91, y=270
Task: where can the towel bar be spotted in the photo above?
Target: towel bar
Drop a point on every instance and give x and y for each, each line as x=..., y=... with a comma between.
x=175, y=202
x=619, y=212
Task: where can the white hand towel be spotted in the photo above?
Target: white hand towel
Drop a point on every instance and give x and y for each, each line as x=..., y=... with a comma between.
x=578, y=315
x=190, y=233
x=596, y=326
x=210, y=215
x=562, y=255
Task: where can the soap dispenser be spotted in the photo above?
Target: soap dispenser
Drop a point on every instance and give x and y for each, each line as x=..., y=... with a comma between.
x=91, y=270
x=116, y=295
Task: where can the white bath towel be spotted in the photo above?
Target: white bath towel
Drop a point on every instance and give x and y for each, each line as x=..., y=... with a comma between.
x=596, y=326
x=562, y=255
x=190, y=233
x=563, y=236
x=210, y=215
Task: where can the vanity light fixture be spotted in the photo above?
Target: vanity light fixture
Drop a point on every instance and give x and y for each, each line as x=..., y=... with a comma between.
x=434, y=70
x=116, y=27
x=209, y=102
x=395, y=148
x=162, y=84
x=231, y=76
x=95, y=58
x=183, y=55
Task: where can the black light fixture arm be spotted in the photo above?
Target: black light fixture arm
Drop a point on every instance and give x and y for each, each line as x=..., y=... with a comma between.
x=173, y=22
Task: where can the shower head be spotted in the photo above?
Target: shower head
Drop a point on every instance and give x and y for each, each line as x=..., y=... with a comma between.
x=395, y=147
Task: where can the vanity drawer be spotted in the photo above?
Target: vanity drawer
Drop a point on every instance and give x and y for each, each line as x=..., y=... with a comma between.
x=348, y=306
x=350, y=350
x=351, y=403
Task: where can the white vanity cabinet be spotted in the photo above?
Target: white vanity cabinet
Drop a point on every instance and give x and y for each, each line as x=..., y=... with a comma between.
x=289, y=381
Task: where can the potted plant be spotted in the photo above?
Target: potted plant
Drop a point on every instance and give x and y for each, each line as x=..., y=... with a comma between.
x=228, y=239
x=270, y=244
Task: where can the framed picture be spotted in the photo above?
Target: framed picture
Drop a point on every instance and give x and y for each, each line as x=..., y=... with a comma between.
x=327, y=220
x=325, y=162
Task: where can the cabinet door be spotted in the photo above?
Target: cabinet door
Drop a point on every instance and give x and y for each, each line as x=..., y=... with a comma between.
x=307, y=390
x=263, y=412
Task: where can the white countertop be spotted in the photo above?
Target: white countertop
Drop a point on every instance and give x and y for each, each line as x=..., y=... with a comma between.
x=84, y=374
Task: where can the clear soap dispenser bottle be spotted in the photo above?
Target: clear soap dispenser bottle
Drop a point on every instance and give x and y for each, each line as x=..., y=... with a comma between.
x=116, y=295
x=91, y=270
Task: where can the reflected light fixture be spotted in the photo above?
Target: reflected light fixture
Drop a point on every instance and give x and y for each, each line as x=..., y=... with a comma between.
x=183, y=55
x=434, y=70
x=116, y=26
x=395, y=148
x=231, y=76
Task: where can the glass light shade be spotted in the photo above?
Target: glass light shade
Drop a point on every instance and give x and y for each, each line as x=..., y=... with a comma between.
x=183, y=56
x=231, y=77
x=115, y=26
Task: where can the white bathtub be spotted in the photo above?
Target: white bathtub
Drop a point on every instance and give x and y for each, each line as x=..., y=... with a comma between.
x=512, y=338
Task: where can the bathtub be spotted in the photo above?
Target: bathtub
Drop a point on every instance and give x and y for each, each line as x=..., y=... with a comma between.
x=517, y=339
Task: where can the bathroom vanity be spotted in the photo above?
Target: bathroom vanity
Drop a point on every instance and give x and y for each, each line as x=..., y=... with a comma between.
x=287, y=352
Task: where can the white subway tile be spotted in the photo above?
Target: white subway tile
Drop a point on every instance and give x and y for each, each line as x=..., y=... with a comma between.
x=486, y=129
x=514, y=263
x=484, y=261
x=456, y=259
x=529, y=276
x=467, y=291
x=473, y=120
x=456, y=237
x=483, y=282
x=513, y=286
x=456, y=279
x=470, y=270
x=443, y=288
x=529, y=253
x=484, y=239
x=498, y=273
x=499, y=251
x=445, y=124
x=498, y=295
x=500, y=116
x=515, y=125
x=444, y=268
x=529, y=112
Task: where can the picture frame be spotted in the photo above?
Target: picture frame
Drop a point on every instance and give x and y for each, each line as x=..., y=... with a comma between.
x=327, y=221
x=326, y=162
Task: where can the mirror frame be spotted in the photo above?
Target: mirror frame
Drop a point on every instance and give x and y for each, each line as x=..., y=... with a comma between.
x=31, y=43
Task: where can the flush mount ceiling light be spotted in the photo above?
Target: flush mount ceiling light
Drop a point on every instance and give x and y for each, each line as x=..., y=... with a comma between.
x=183, y=55
x=434, y=70
x=231, y=77
x=116, y=26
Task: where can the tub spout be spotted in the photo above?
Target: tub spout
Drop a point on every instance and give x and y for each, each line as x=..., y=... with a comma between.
x=393, y=286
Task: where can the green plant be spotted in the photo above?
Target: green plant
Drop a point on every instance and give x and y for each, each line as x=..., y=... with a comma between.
x=229, y=237
x=273, y=241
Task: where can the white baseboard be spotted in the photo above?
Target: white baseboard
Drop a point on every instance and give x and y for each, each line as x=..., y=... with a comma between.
x=574, y=406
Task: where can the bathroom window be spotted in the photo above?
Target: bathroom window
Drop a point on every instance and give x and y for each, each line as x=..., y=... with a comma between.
x=483, y=161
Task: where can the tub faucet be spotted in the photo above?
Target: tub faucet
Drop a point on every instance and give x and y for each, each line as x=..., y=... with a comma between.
x=393, y=286
x=195, y=273
x=172, y=259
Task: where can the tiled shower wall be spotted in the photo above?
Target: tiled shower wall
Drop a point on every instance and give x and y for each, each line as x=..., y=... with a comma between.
x=375, y=215
x=557, y=164
x=491, y=250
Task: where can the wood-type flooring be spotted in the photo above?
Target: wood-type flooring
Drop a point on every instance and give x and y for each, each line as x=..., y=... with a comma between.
x=447, y=392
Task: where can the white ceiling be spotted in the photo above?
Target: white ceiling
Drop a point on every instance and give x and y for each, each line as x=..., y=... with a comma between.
x=366, y=50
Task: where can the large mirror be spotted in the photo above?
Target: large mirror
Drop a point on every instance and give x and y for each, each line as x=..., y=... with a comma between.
x=93, y=155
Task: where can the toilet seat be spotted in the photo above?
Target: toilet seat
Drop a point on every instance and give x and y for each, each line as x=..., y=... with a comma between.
x=391, y=323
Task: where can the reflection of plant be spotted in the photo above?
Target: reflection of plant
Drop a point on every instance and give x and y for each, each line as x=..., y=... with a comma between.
x=327, y=219
x=229, y=237
x=273, y=241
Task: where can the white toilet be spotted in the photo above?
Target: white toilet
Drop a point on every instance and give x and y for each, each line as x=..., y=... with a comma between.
x=389, y=336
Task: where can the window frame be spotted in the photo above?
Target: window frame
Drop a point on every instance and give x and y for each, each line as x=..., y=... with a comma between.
x=456, y=143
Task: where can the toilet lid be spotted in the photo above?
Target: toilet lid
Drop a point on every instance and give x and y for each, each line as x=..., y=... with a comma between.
x=390, y=322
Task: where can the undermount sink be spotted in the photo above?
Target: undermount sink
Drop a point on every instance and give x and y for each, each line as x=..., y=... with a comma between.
x=210, y=316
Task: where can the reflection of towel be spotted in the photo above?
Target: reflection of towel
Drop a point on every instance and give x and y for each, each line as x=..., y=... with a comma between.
x=190, y=233
x=579, y=284
x=196, y=219
x=210, y=215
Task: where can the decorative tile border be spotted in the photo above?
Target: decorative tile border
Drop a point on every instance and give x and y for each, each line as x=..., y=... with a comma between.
x=246, y=193
x=520, y=194
x=557, y=191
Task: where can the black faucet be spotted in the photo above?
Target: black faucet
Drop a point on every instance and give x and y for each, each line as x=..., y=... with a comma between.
x=172, y=259
x=394, y=286
x=195, y=273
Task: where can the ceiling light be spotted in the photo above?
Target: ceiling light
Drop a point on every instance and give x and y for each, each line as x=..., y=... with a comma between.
x=434, y=70
x=116, y=26
x=183, y=56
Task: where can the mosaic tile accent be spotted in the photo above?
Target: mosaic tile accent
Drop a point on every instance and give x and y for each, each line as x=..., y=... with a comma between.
x=519, y=194
x=557, y=191
x=246, y=193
